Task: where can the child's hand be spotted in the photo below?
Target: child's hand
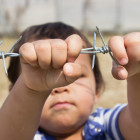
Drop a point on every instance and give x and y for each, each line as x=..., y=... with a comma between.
x=126, y=50
x=44, y=63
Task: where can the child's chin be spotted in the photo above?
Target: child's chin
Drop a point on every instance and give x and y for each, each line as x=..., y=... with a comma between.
x=64, y=130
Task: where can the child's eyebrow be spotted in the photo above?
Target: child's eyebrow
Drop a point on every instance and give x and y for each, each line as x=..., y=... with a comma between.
x=93, y=50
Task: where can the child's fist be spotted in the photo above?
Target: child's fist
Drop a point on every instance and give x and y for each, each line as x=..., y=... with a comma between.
x=126, y=50
x=47, y=64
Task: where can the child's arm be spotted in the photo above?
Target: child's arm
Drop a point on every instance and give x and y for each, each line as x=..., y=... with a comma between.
x=43, y=67
x=127, y=52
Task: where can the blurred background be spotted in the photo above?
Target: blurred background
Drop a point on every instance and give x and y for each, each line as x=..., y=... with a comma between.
x=113, y=17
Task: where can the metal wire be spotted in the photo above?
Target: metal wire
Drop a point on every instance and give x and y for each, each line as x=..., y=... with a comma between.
x=3, y=55
x=15, y=44
x=93, y=50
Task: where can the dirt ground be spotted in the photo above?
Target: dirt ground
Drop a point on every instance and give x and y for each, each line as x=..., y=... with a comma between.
x=115, y=90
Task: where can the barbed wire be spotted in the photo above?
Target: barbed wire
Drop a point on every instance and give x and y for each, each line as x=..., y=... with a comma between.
x=3, y=55
x=93, y=50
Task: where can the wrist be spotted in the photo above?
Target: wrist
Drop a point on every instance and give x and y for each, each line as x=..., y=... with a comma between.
x=21, y=86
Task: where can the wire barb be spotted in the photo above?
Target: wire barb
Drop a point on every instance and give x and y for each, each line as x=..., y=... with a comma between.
x=110, y=52
x=93, y=50
x=9, y=54
x=15, y=44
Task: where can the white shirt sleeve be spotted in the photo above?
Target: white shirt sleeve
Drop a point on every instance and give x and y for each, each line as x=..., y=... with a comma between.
x=111, y=126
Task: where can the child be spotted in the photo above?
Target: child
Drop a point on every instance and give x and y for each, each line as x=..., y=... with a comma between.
x=54, y=88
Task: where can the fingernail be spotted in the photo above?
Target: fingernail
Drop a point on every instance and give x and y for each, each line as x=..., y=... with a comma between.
x=122, y=74
x=124, y=61
x=69, y=69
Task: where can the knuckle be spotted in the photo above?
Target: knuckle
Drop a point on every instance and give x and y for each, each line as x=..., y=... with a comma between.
x=27, y=52
x=41, y=45
x=76, y=36
x=77, y=40
x=59, y=45
x=113, y=40
x=132, y=38
x=25, y=47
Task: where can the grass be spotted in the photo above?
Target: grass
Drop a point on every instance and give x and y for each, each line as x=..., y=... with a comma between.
x=115, y=90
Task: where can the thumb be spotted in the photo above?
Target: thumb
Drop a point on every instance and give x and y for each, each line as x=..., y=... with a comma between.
x=72, y=71
x=119, y=72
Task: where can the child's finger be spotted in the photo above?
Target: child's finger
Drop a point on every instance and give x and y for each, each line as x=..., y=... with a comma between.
x=75, y=45
x=28, y=54
x=119, y=72
x=116, y=44
x=59, y=53
x=43, y=52
x=72, y=71
x=132, y=43
x=132, y=39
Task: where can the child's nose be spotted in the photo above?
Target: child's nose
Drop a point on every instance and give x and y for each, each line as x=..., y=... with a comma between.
x=60, y=90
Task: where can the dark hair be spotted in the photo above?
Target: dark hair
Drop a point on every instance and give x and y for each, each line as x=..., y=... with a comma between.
x=49, y=30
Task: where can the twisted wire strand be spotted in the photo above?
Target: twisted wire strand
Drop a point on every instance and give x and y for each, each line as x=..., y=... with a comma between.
x=3, y=55
x=93, y=50
x=103, y=50
x=8, y=55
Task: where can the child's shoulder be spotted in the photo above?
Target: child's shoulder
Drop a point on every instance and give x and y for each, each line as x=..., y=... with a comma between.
x=103, y=112
x=104, y=122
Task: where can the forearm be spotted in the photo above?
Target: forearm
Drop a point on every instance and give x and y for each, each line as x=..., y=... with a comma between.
x=129, y=120
x=126, y=51
x=133, y=89
x=20, y=114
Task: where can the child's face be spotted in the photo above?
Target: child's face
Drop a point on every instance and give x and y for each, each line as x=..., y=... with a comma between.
x=67, y=108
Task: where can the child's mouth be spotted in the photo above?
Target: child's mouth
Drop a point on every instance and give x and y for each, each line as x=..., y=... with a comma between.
x=62, y=105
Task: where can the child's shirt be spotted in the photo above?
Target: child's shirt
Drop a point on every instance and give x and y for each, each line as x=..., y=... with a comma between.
x=101, y=125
